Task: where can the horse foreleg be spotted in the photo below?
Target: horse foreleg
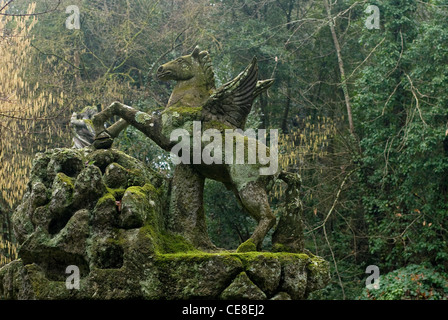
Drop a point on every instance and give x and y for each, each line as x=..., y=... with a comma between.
x=115, y=129
x=150, y=125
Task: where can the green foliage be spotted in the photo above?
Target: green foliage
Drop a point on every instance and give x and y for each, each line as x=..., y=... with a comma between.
x=413, y=282
x=403, y=166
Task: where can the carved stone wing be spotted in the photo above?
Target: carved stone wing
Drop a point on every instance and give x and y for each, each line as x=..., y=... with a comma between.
x=231, y=103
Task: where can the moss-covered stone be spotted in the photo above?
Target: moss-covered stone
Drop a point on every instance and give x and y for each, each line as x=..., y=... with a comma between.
x=72, y=238
x=247, y=246
x=318, y=274
x=41, y=217
x=294, y=272
x=101, y=158
x=14, y=285
x=281, y=296
x=89, y=187
x=104, y=216
x=173, y=243
x=180, y=117
x=21, y=219
x=242, y=288
x=137, y=207
x=119, y=239
x=108, y=284
x=68, y=161
x=191, y=275
x=39, y=169
x=116, y=176
x=39, y=193
x=116, y=193
x=265, y=271
x=194, y=276
x=62, y=195
x=60, y=205
x=106, y=252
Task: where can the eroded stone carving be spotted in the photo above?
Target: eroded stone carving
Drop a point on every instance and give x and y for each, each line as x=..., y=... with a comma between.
x=195, y=98
x=135, y=235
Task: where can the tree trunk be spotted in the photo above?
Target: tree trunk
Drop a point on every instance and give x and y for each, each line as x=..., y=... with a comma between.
x=341, y=67
x=287, y=108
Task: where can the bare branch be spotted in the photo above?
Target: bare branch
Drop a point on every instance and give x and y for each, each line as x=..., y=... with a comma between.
x=27, y=14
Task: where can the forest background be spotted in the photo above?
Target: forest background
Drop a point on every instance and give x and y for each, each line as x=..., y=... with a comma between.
x=361, y=107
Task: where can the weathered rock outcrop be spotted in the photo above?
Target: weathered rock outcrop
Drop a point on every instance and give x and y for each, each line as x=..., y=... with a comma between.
x=106, y=213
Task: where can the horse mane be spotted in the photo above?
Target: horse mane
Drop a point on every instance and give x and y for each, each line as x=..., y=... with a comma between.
x=205, y=62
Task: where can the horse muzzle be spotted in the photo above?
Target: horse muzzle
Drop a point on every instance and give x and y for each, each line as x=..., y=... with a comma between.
x=164, y=74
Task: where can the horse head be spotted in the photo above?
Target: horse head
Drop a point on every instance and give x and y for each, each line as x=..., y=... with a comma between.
x=194, y=68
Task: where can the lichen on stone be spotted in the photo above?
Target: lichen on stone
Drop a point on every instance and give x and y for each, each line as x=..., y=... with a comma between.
x=142, y=117
x=115, y=231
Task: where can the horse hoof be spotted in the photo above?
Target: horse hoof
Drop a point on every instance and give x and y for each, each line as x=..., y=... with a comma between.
x=103, y=141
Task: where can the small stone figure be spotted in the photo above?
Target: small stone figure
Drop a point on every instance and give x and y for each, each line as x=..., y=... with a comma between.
x=82, y=128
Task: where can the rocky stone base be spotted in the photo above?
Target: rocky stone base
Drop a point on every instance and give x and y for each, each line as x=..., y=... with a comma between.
x=105, y=213
x=229, y=276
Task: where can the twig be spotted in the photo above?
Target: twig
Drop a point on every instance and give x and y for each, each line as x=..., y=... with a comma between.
x=27, y=14
x=173, y=47
x=416, y=99
x=56, y=56
x=335, y=264
x=332, y=22
x=399, y=58
x=367, y=58
x=322, y=225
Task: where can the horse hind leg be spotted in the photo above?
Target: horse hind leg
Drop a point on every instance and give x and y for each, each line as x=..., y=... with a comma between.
x=254, y=200
x=187, y=216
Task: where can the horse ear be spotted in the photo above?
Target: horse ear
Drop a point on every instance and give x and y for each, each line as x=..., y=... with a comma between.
x=195, y=53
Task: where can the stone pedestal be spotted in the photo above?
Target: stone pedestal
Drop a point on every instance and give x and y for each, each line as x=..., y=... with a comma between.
x=104, y=212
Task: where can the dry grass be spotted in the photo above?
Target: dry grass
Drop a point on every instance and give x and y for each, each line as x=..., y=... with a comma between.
x=8, y=251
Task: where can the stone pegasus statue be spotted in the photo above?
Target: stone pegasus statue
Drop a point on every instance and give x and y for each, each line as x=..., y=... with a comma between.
x=196, y=98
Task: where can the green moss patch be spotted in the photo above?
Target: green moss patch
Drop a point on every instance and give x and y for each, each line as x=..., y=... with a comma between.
x=247, y=246
x=171, y=243
x=65, y=179
x=213, y=124
x=116, y=193
x=106, y=197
